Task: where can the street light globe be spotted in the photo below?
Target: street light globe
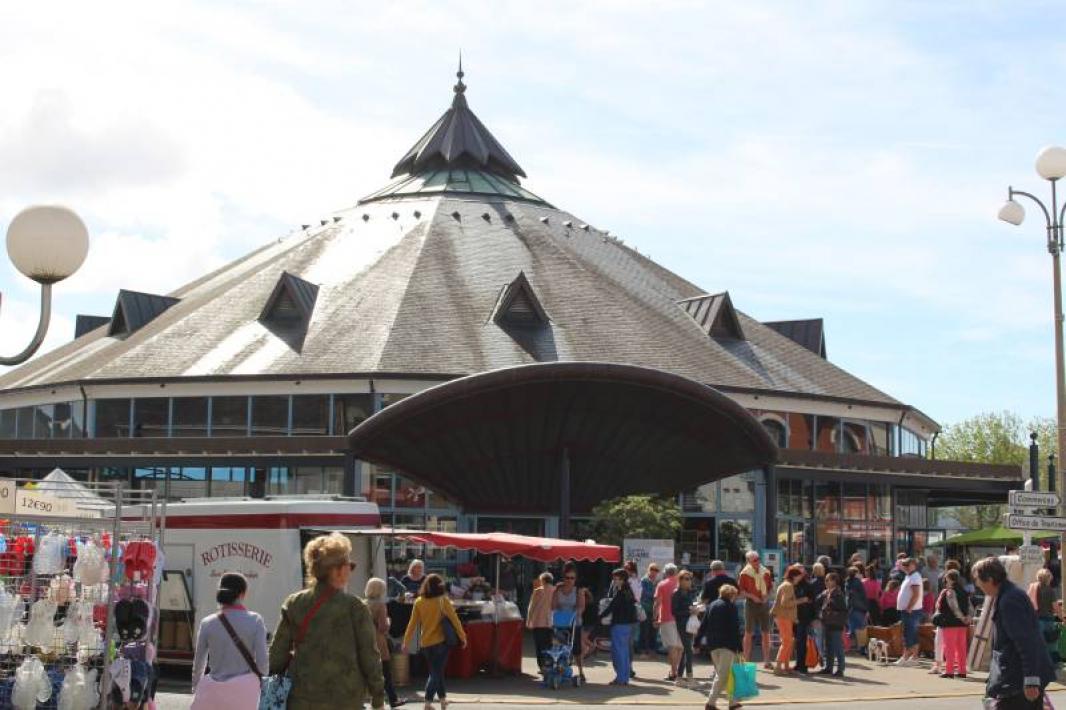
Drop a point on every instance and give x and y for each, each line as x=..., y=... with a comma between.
x=1051, y=162
x=1012, y=212
x=47, y=243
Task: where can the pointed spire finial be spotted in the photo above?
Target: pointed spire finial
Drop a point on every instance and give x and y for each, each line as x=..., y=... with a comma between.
x=460, y=87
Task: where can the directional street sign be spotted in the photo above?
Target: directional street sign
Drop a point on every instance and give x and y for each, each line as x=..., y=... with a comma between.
x=1035, y=522
x=1031, y=554
x=1033, y=499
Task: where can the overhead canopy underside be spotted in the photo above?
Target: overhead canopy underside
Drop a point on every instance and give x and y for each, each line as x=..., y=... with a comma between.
x=497, y=440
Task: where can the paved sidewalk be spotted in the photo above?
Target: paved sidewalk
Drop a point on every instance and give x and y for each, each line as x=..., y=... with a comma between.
x=863, y=682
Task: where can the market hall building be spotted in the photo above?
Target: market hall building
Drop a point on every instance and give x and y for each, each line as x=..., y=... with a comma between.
x=247, y=381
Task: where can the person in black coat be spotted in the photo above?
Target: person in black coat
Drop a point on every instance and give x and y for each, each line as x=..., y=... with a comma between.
x=714, y=581
x=622, y=608
x=833, y=610
x=1020, y=667
x=719, y=633
x=806, y=613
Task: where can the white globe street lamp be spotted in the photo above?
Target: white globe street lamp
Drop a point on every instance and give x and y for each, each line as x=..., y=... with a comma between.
x=1050, y=165
x=47, y=243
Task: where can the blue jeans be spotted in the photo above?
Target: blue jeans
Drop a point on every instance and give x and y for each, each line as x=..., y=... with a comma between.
x=620, y=635
x=817, y=632
x=802, y=632
x=834, y=649
x=911, y=619
x=856, y=621
x=436, y=659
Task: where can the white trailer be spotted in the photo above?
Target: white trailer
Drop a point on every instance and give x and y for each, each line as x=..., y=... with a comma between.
x=262, y=539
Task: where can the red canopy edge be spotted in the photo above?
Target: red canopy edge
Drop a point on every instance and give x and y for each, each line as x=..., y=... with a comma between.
x=542, y=549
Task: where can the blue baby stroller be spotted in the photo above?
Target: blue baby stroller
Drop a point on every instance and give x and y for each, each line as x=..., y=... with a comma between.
x=558, y=661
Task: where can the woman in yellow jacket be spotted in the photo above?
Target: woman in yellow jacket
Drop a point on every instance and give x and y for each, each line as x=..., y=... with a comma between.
x=432, y=610
x=785, y=615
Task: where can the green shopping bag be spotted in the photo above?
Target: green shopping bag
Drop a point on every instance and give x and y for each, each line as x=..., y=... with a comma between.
x=742, y=676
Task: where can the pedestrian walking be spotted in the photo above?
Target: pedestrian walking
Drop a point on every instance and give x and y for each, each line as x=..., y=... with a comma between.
x=755, y=588
x=806, y=613
x=375, y=592
x=647, y=642
x=817, y=582
x=432, y=610
x=1043, y=594
x=569, y=596
x=715, y=579
x=681, y=605
x=634, y=586
x=784, y=611
x=233, y=642
x=664, y=618
x=952, y=620
x=1020, y=667
x=858, y=606
x=621, y=608
x=719, y=633
x=539, y=615
x=329, y=635
x=909, y=605
x=833, y=611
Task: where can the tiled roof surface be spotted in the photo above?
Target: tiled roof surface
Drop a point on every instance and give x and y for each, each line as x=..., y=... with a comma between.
x=404, y=294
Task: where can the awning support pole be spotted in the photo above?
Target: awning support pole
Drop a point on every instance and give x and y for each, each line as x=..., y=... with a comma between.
x=564, y=495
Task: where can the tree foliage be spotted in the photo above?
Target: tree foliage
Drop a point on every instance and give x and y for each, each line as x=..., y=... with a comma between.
x=1000, y=438
x=637, y=516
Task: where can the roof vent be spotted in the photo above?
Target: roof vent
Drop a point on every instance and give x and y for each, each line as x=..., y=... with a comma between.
x=809, y=333
x=395, y=215
x=456, y=216
x=568, y=224
x=323, y=222
x=134, y=309
x=518, y=305
x=85, y=324
x=508, y=217
x=291, y=302
x=417, y=214
x=715, y=315
x=544, y=220
x=585, y=227
x=336, y=219
x=487, y=217
x=366, y=217
x=305, y=227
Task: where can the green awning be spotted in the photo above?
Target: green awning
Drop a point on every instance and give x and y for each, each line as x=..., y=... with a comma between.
x=996, y=535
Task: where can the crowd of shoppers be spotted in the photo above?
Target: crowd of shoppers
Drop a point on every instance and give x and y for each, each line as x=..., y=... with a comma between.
x=335, y=647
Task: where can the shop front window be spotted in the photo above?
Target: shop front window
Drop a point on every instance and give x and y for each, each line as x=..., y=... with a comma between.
x=734, y=540
x=151, y=417
x=738, y=494
x=187, y=482
x=270, y=416
x=189, y=416
x=43, y=415
x=801, y=432
x=8, y=424
x=333, y=480
x=854, y=438
x=229, y=416
x=310, y=415
x=409, y=494
x=827, y=501
x=227, y=481
x=697, y=539
x=854, y=501
x=349, y=410
x=112, y=418
x=702, y=500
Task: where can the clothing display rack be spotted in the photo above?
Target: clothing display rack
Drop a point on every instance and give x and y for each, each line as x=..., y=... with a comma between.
x=79, y=581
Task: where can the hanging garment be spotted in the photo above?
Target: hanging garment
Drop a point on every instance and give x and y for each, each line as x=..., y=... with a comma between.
x=79, y=690
x=32, y=684
x=91, y=566
x=132, y=618
x=41, y=629
x=61, y=589
x=51, y=555
x=138, y=559
x=11, y=607
x=79, y=616
x=121, y=674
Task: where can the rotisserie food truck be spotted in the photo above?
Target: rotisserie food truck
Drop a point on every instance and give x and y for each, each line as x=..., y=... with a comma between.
x=262, y=538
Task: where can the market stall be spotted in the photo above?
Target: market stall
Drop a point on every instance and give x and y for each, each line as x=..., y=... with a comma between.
x=494, y=627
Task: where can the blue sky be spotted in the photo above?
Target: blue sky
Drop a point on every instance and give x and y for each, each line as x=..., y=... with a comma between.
x=834, y=159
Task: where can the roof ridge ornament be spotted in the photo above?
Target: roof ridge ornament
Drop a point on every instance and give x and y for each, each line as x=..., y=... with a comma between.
x=459, y=140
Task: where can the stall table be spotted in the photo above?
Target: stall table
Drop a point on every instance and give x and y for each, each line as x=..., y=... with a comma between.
x=479, y=651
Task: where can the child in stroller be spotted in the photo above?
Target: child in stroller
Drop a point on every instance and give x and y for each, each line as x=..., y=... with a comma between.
x=558, y=661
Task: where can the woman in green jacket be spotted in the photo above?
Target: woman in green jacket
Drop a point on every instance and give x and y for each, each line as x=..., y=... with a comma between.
x=335, y=664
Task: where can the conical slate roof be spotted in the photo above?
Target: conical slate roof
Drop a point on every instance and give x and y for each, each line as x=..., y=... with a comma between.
x=411, y=283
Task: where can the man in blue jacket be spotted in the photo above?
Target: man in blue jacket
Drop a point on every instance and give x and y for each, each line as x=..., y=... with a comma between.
x=1020, y=665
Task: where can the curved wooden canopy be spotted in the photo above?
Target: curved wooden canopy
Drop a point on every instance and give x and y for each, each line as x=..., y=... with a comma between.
x=497, y=440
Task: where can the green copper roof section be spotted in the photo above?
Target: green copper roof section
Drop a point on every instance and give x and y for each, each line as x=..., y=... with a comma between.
x=461, y=181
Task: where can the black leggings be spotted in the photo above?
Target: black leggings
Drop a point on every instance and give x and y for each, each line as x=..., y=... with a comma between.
x=390, y=689
x=542, y=641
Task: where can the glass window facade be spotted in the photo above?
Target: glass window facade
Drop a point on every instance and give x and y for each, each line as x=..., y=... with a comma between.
x=229, y=416
x=112, y=418
x=151, y=417
x=270, y=416
x=310, y=415
x=189, y=416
